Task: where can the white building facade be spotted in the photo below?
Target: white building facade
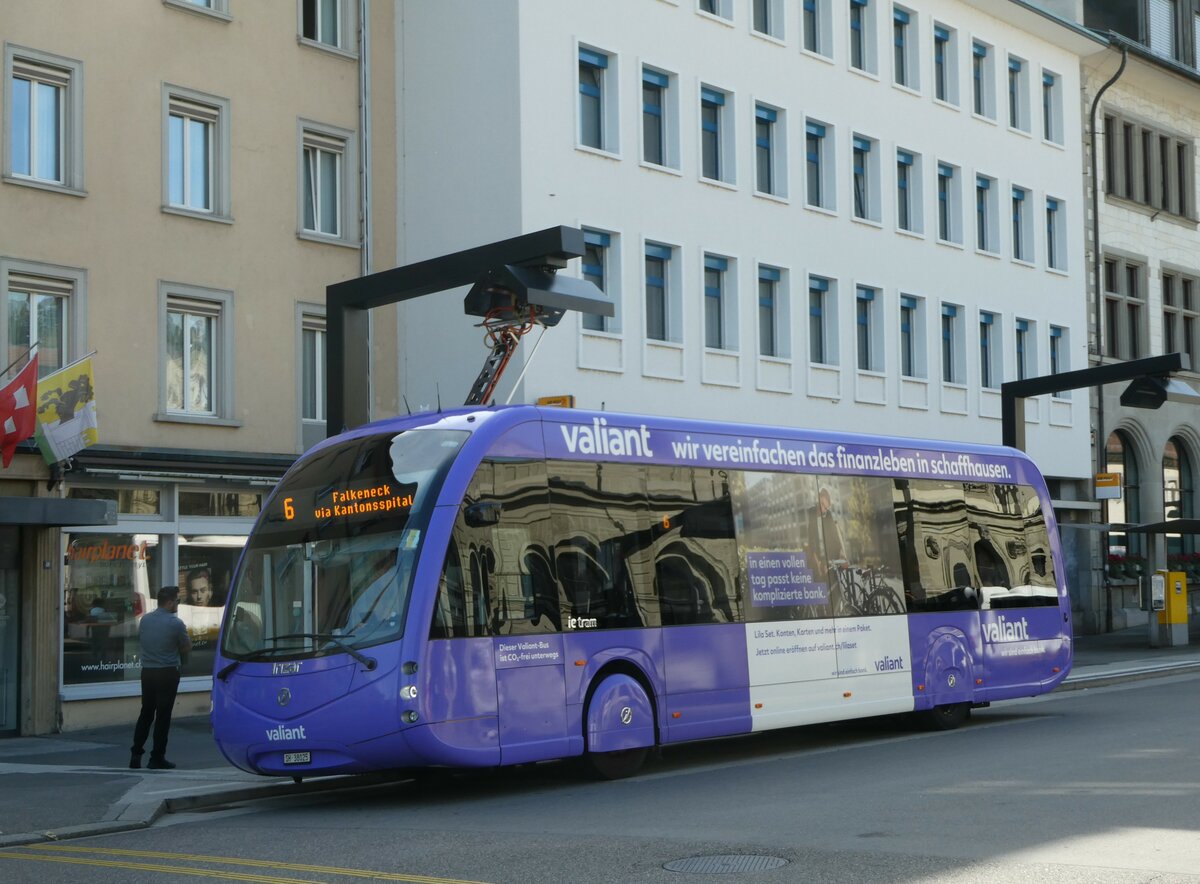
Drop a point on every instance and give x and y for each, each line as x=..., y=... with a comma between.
x=861, y=216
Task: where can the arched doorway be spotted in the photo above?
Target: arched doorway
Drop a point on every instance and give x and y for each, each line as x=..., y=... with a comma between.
x=1122, y=460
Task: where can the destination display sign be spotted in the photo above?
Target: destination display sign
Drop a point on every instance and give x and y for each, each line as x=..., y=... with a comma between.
x=350, y=502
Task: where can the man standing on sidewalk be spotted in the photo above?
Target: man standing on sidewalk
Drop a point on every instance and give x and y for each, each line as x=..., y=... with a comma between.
x=165, y=645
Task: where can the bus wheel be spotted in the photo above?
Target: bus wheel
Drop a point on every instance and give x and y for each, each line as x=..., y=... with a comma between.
x=618, y=727
x=948, y=717
x=618, y=765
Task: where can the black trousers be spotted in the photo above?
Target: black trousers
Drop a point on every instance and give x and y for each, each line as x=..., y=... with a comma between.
x=159, y=687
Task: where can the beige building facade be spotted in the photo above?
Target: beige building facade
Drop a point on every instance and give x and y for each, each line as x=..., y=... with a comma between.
x=179, y=182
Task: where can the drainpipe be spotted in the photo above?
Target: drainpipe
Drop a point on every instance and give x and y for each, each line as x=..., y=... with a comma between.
x=364, y=167
x=1098, y=296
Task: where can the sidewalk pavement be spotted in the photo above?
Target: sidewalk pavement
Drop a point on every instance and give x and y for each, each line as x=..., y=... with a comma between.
x=77, y=784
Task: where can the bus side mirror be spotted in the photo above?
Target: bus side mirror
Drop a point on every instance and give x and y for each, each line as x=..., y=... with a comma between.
x=482, y=515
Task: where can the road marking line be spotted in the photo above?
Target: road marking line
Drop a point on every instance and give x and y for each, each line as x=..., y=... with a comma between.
x=252, y=863
x=223, y=874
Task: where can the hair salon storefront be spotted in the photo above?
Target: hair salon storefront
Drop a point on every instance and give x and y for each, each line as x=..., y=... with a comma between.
x=120, y=531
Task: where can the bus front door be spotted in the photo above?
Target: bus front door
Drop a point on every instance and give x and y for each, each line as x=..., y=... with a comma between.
x=531, y=693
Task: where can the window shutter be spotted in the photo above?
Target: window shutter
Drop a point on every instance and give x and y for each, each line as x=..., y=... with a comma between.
x=320, y=141
x=32, y=70
x=194, y=306
x=1161, y=15
x=181, y=107
x=40, y=285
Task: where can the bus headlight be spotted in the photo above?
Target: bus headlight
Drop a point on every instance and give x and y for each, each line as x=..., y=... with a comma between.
x=409, y=692
x=410, y=717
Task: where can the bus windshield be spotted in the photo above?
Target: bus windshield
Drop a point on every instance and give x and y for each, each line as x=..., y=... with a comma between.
x=330, y=563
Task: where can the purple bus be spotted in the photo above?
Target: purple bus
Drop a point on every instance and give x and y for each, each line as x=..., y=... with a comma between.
x=506, y=585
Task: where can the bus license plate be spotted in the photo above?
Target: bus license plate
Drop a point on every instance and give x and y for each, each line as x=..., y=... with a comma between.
x=297, y=757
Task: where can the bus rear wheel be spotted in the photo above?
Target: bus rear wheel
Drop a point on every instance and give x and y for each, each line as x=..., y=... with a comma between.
x=947, y=717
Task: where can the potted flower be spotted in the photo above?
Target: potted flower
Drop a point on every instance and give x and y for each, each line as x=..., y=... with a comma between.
x=1116, y=566
x=1135, y=565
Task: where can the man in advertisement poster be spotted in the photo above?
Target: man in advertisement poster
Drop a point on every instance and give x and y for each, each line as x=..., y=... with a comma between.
x=824, y=536
x=165, y=645
x=199, y=588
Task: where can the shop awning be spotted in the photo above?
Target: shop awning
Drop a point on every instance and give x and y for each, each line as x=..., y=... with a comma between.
x=56, y=511
x=1173, y=526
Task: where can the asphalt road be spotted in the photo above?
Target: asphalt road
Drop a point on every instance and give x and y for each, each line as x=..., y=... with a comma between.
x=1100, y=785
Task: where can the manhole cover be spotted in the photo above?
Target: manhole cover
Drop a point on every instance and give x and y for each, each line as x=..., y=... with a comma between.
x=728, y=864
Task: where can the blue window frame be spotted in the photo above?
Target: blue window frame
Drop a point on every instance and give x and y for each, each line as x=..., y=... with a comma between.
x=949, y=324
x=654, y=134
x=862, y=155
x=987, y=378
x=979, y=58
x=714, y=302
x=941, y=47
x=818, y=333
x=1049, y=130
x=858, y=37
x=1018, y=225
x=982, y=234
x=904, y=196
x=711, y=104
x=1056, y=353
x=1022, y=327
x=908, y=332
x=591, y=98
x=764, y=147
x=1015, y=66
x=900, y=20
x=812, y=24
x=658, y=266
x=945, y=218
x=814, y=140
x=595, y=271
x=864, y=325
x=768, y=306
x=1053, y=246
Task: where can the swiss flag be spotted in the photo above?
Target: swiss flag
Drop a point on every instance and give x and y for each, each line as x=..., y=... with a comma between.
x=18, y=411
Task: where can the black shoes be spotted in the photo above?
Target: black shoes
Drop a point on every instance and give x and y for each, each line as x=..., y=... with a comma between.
x=135, y=760
x=160, y=764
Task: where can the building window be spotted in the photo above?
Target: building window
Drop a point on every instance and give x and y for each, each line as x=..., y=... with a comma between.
x=949, y=223
x=595, y=129
x=323, y=189
x=1018, y=93
x=817, y=25
x=945, y=66
x=1180, y=314
x=1149, y=166
x=1052, y=108
x=912, y=337
x=986, y=219
x=214, y=8
x=866, y=307
x=659, y=119
x=1179, y=493
x=312, y=368
x=768, y=17
x=1026, y=353
x=952, y=355
x=1124, y=306
x=1022, y=230
x=821, y=349
x=865, y=178
x=196, y=153
x=862, y=35
x=329, y=24
x=597, y=255
x=770, y=150
x=42, y=304
x=905, y=68
x=719, y=309
x=1160, y=25
x=716, y=154
x=196, y=353
x=989, y=352
x=658, y=292
x=719, y=8
x=982, y=80
x=818, y=168
x=1060, y=355
x=772, y=328
x=1121, y=458
x=1056, y=233
x=909, y=214
x=1196, y=41
x=44, y=101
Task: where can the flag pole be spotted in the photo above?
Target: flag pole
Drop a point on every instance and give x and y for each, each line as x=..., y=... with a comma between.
x=18, y=360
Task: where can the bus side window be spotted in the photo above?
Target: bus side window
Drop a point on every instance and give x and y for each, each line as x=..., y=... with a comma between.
x=449, y=610
x=938, y=550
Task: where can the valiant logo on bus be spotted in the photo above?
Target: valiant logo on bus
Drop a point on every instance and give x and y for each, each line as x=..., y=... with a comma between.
x=600, y=438
x=1002, y=630
x=286, y=733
